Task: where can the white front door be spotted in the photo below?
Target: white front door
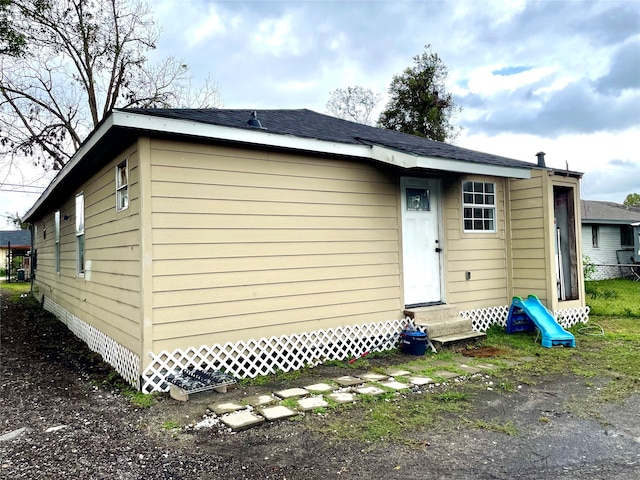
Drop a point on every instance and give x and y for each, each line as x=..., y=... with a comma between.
x=421, y=247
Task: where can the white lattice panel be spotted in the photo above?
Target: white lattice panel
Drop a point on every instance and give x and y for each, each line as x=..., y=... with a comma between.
x=125, y=362
x=251, y=358
x=570, y=316
x=483, y=318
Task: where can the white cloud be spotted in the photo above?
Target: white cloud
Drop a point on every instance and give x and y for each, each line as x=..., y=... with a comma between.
x=210, y=26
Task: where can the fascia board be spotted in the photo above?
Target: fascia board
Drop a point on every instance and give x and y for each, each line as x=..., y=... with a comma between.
x=405, y=160
x=77, y=157
x=241, y=135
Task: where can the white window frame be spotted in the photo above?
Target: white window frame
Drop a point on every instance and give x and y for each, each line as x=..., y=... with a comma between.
x=122, y=186
x=57, y=240
x=595, y=234
x=80, y=245
x=478, y=201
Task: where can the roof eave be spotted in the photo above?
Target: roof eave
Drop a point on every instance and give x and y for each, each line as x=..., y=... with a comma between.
x=135, y=121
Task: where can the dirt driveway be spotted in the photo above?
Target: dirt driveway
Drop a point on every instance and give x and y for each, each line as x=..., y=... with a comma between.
x=76, y=428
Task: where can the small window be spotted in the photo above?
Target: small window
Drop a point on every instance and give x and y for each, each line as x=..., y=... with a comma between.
x=122, y=186
x=626, y=236
x=418, y=200
x=57, y=247
x=80, y=234
x=479, y=206
x=594, y=236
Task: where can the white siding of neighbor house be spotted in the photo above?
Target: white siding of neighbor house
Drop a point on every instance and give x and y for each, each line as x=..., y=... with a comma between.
x=108, y=296
x=608, y=243
x=249, y=244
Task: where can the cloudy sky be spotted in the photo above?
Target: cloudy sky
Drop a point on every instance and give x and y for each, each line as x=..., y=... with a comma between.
x=561, y=77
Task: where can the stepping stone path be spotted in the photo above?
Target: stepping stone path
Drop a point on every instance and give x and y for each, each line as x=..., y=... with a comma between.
x=242, y=420
x=419, y=381
x=368, y=390
x=241, y=415
x=259, y=400
x=291, y=393
x=348, y=381
x=276, y=413
x=319, y=388
x=395, y=385
x=342, y=397
x=228, y=407
x=312, y=403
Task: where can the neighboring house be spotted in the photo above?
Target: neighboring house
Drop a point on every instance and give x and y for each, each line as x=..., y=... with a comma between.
x=204, y=238
x=14, y=251
x=608, y=236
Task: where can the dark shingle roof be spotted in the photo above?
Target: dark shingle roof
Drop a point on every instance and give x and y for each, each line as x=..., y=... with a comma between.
x=17, y=238
x=309, y=124
x=608, y=212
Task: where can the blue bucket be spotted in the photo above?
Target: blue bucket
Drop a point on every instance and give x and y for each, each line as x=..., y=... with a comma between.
x=413, y=342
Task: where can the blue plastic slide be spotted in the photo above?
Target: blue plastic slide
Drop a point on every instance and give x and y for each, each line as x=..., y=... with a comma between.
x=523, y=312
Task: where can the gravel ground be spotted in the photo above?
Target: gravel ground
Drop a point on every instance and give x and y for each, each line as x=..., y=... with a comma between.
x=76, y=427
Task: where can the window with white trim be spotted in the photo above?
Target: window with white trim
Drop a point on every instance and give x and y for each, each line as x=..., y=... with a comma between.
x=594, y=236
x=122, y=186
x=80, y=234
x=57, y=239
x=479, y=206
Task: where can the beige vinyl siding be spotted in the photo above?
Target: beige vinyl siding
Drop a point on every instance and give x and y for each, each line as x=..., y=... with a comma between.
x=108, y=296
x=483, y=254
x=528, y=242
x=248, y=244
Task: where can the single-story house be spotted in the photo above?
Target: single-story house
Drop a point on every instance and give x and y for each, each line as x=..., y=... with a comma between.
x=608, y=237
x=256, y=242
x=15, y=246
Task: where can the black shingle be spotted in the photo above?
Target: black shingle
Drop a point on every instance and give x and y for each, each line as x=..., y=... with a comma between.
x=309, y=124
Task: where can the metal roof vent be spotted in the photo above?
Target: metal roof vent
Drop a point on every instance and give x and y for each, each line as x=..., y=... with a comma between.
x=254, y=122
x=540, y=156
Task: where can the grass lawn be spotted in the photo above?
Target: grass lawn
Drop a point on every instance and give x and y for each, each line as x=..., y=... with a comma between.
x=16, y=289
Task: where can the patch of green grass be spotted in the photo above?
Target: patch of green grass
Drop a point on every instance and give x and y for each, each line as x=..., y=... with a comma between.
x=507, y=428
x=615, y=297
x=390, y=416
x=291, y=403
x=16, y=290
x=170, y=425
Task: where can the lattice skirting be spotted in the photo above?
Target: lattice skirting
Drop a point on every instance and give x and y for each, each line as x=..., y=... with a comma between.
x=125, y=362
x=483, y=318
x=251, y=358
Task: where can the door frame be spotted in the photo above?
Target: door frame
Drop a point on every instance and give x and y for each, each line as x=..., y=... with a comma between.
x=436, y=196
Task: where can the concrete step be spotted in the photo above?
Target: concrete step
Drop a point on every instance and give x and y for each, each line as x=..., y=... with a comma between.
x=433, y=314
x=467, y=337
x=447, y=327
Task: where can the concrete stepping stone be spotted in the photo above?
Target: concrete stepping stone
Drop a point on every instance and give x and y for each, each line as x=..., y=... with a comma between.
x=487, y=366
x=342, y=397
x=278, y=412
x=509, y=363
x=469, y=369
x=442, y=363
x=291, y=393
x=446, y=374
x=242, y=420
x=419, y=381
x=227, y=407
x=259, y=400
x=319, y=388
x=395, y=385
x=348, y=381
x=527, y=359
x=396, y=372
x=373, y=377
x=369, y=390
x=311, y=403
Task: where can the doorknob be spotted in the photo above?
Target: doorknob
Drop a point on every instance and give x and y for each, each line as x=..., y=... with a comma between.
x=438, y=249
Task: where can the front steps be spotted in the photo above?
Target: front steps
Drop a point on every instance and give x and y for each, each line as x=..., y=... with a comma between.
x=444, y=325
